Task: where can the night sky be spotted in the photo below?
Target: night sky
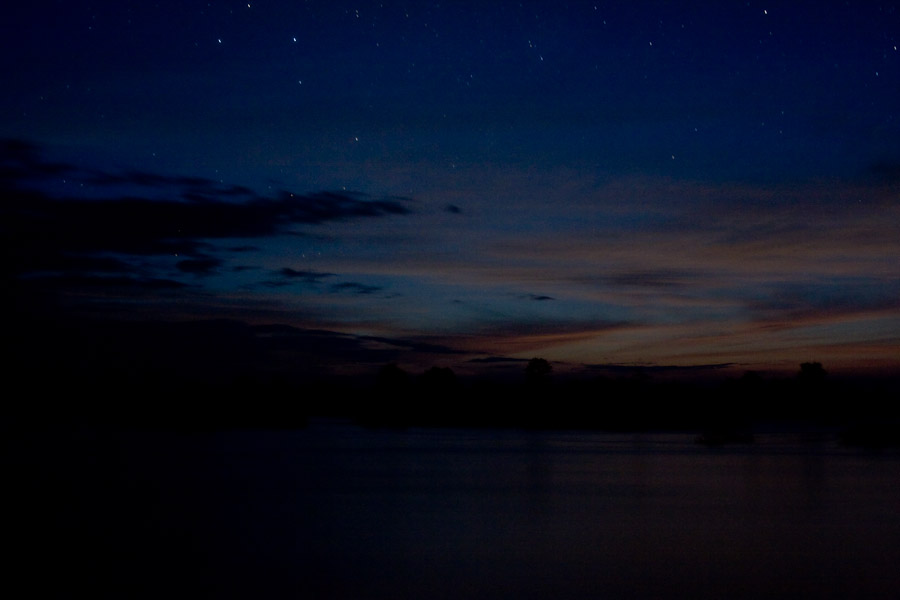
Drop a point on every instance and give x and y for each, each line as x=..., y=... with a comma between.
x=336, y=185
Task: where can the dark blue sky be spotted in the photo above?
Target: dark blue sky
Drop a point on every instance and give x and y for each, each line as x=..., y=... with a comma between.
x=628, y=183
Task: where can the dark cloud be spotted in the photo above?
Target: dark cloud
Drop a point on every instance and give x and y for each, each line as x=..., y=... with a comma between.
x=887, y=172
x=313, y=349
x=199, y=266
x=334, y=206
x=799, y=302
x=67, y=236
x=453, y=209
x=497, y=360
x=272, y=283
x=288, y=276
x=115, y=283
x=552, y=326
x=654, y=279
x=21, y=161
x=90, y=264
x=356, y=288
x=212, y=350
x=199, y=187
x=411, y=345
x=144, y=226
x=315, y=346
x=304, y=276
x=631, y=369
x=539, y=298
x=168, y=352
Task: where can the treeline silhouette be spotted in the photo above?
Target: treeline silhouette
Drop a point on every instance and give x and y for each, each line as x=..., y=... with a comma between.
x=629, y=402
x=721, y=412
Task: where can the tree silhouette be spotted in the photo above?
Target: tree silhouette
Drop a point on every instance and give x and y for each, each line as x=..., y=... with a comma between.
x=811, y=399
x=390, y=404
x=812, y=373
x=439, y=380
x=537, y=370
x=438, y=400
x=751, y=381
x=533, y=412
x=391, y=379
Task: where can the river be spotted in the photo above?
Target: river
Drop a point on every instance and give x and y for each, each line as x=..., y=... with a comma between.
x=338, y=511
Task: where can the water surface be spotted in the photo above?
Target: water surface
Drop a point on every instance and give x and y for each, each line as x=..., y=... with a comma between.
x=336, y=511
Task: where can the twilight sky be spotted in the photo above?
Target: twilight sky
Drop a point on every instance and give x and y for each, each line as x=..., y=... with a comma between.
x=464, y=184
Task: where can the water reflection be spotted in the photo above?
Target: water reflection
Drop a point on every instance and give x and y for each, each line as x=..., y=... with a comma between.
x=336, y=511
x=577, y=515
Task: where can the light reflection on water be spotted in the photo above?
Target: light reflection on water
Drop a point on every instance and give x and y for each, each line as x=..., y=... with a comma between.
x=335, y=511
